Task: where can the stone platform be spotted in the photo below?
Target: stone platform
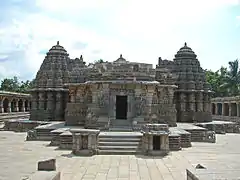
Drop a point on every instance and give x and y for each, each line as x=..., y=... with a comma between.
x=179, y=137
x=220, y=127
x=120, y=142
x=222, y=156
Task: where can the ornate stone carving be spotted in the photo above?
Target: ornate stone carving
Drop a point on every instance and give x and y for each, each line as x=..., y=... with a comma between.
x=91, y=117
x=140, y=105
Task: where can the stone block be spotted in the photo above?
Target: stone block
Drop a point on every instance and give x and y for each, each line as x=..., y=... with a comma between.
x=47, y=165
x=191, y=176
x=43, y=175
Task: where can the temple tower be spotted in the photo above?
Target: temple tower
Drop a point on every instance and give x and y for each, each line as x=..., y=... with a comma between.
x=192, y=97
x=49, y=97
x=193, y=94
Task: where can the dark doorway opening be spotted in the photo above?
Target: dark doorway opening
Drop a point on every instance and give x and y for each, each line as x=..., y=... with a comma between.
x=121, y=107
x=156, y=143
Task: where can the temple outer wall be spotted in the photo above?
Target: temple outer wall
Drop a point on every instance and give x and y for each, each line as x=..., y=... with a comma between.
x=226, y=109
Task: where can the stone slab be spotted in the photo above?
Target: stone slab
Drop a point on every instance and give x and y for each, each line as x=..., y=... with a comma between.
x=189, y=126
x=43, y=175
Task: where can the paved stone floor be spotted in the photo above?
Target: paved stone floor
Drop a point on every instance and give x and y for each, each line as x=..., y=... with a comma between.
x=18, y=159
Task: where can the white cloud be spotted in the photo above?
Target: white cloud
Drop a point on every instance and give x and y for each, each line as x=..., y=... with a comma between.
x=141, y=30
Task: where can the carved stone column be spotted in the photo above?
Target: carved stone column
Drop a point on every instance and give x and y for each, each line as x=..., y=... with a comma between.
x=216, y=109
x=72, y=95
x=16, y=107
x=23, y=106
x=230, y=109
x=9, y=106
x=59, y=106
x=205, y=103
x=28, y=105
x=50, y=101
x=237, y=109
x=1, y=106
x=223, y=109
x=41, y=100
x=200, y=102
x=192, y=102
x=34, y=100
x=183, y=102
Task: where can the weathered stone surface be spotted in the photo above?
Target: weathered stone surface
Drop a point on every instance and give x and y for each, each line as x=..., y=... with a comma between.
x=31, y=135
x=43, y=175
x=47, y=165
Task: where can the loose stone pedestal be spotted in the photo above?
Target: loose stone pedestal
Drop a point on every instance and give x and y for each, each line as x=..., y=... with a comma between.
x=84, y=141
x=155, y=139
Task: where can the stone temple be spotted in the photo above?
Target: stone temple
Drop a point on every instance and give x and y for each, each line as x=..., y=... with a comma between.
x=120, y=93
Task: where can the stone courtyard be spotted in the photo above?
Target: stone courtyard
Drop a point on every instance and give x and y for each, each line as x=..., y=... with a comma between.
x=18, y=159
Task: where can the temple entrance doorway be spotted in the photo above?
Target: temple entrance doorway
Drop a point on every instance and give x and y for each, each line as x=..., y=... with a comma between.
x=156, y=143
x=121, y=107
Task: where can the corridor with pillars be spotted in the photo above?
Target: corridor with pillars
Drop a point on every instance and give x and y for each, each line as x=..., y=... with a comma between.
x=226, y=106
x=14, y=102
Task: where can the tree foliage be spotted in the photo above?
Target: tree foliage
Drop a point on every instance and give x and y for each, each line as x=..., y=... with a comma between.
x=225, y=81
x=14, y=85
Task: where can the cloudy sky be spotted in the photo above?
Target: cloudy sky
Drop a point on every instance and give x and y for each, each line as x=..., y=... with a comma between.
x=140, y=30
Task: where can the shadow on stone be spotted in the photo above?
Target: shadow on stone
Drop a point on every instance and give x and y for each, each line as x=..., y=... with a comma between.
x=70, y=155
x=199, y=166
x=149, y=157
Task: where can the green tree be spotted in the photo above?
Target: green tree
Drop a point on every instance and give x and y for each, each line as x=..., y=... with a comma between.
x=232, y=79
x=13, y=85
x=99, y=61
x=10, y=84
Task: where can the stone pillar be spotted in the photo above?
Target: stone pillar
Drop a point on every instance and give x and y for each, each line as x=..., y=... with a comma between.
x=16, y=107
x=230, y=109
x=72, y=95
x=182, y=102
x=200, y=102
x=59, y=106
x=205, y=103
x=50, y=101
x=41, y=100
x=149, y=93
x=237, y=109
x=34, y=100
x=216, y=109
x=23, y=106
x=223, y=109
x=28, y=105
x=1, y=106
x=9, y=106
x=192, y=102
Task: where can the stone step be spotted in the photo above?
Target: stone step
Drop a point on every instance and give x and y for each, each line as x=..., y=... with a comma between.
x=120, y=129
x=119, y=142
x=117, y=152
x=104, y=143
x=109, y=139
x=111, y=147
